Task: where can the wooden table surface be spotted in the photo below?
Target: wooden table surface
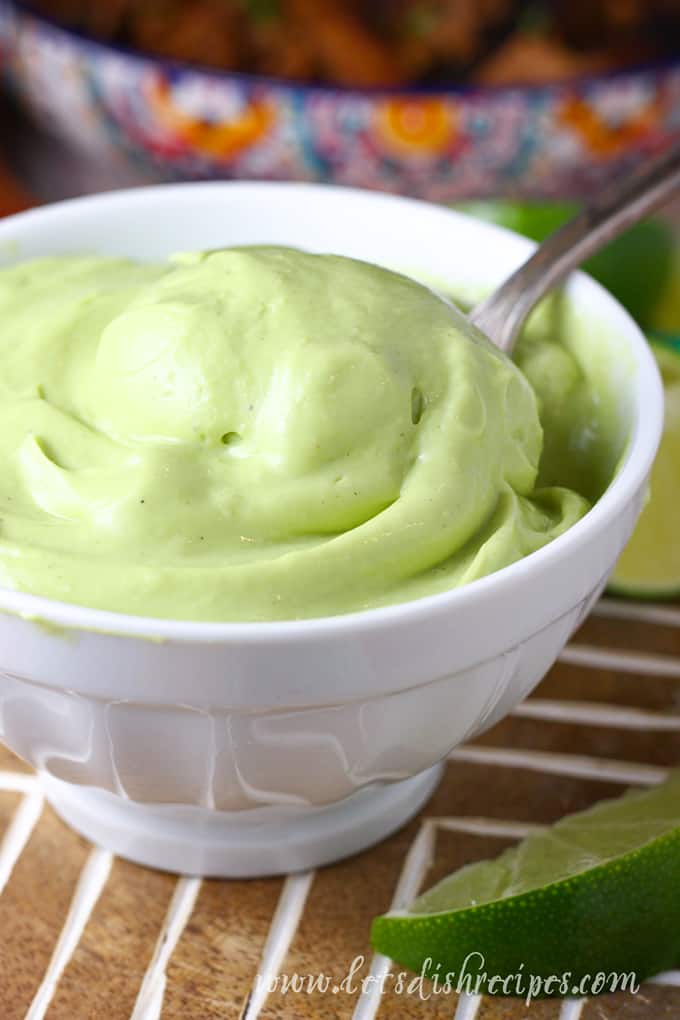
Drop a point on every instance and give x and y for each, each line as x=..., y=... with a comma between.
x=85, y=936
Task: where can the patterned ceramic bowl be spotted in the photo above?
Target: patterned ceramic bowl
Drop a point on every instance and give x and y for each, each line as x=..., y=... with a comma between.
x=177, y=121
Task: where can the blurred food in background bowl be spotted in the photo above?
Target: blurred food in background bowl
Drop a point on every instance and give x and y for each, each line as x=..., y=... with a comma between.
x=443, y=99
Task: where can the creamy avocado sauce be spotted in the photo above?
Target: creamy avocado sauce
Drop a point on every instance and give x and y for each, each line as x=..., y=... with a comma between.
x=264, y=434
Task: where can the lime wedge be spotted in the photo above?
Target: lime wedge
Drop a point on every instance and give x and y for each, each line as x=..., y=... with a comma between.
x=650, y=564
x=637, y=268
x=597, y=892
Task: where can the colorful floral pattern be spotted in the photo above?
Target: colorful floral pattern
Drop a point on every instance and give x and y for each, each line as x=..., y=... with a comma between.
x=181, y=122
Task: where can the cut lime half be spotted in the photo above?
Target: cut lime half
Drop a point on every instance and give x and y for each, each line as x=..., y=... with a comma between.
x=650, y=565
x=665, y=316
x=597, y=892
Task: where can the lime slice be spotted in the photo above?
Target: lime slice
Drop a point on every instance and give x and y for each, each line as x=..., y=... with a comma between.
x=597, y=892
x=665, y=317
x=650, y=564
x=637, y=268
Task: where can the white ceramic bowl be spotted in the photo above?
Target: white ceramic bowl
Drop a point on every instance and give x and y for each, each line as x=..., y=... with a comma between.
x=243, y=749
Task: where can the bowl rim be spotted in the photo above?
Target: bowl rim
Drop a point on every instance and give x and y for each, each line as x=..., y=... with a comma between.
x=634, y=465
x=661, y=65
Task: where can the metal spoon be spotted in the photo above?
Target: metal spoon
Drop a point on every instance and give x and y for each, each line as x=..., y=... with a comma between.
x=502, y=315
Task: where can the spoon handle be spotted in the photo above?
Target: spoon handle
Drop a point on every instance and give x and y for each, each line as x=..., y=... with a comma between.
x=501, y=315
